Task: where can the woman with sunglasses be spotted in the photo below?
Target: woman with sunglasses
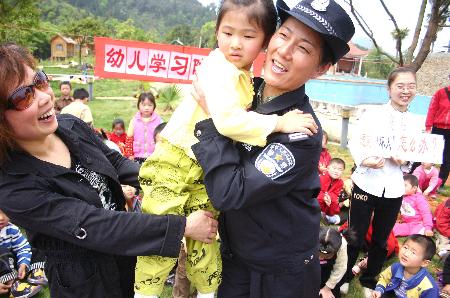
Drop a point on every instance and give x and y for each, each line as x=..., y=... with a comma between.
x=63, y=185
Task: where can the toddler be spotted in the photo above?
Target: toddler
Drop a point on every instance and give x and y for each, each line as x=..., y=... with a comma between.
x=325, y=156
x=331, y=186
x=172, y=178
x=118, y=135
x=409, y=277
x=429, y=181
x=333, y=261
x=415, y=212
x=140, y=143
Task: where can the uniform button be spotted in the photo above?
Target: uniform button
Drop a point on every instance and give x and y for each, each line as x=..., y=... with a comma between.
x=198, y=133
x=306, y=262
x=81, y=234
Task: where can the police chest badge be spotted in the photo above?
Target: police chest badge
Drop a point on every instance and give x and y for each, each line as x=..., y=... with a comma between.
x=320, y=5
x=275, y=160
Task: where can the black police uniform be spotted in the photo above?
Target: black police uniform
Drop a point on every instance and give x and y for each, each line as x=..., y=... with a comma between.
x=270, y=221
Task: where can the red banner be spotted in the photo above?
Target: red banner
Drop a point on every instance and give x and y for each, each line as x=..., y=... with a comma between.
x=136, y=60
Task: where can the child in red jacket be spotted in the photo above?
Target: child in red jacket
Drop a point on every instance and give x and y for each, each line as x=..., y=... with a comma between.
x=331, y=186
x=118, y=134
x=442, y=216
x=325, y=156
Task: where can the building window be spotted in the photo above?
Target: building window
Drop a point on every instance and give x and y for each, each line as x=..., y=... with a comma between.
x=59, y=47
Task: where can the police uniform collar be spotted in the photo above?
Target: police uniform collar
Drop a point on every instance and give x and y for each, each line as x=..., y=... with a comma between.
x=283, y=102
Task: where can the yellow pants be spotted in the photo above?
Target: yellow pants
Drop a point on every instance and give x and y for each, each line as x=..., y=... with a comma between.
x=171, y=182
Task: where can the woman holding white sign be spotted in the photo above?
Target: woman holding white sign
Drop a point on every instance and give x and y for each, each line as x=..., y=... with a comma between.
x=378, y=179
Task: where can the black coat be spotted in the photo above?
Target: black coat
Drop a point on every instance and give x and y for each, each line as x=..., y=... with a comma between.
x=63, y=215
x=270, y=216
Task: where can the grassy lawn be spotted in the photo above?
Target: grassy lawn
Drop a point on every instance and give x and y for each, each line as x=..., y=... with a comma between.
x=104, y=111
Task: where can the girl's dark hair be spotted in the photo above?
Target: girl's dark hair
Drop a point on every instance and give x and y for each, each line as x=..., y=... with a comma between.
x=13, y=62
x=263, y=13
x=144, y=96
x=330, y=241
x=118, y=121
x=158, y=129
x=412, y=179
x=394, y=74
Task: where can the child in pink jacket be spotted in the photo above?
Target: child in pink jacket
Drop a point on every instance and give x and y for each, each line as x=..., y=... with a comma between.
x=429, y=180
x=415, y=212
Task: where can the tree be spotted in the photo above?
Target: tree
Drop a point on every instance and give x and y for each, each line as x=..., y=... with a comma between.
x=18, y=20
x=375, y=65
x=436, y=19
x=208, y=35
x=182, y=33
x=84, y=30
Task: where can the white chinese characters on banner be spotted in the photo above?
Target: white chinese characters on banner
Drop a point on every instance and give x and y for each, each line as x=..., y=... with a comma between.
x=151, y=62
x=420, y=148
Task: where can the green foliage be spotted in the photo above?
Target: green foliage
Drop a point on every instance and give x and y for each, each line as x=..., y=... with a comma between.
x=18, y=20
x=377, y=66
x=169, y=98
x=184, y=34
x=208, y=34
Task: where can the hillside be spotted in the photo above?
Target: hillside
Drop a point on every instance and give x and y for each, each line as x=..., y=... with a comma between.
x=433, y=74
x=149, y=15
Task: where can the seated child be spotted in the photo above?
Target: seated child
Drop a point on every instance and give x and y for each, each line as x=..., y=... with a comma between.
x=445, y=292
x=16, y=262
x=331, y=186
x=325, y=156
x=344, y=202
x=78, y=107
x=118, y=135
x=333, y=261
x=415, y=212
x=442, y=216
x=429, y=181
x=409, y=277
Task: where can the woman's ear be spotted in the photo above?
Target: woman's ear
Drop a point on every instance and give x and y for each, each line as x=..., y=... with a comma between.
x=321, y=69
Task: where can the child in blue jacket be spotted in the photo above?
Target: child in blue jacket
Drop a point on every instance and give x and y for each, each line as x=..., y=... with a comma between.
x=409, y=277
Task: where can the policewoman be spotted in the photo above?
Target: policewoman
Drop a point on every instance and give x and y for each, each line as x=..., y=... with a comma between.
x=270, y=220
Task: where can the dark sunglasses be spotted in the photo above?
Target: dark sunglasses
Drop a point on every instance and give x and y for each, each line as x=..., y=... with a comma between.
x=23, y=96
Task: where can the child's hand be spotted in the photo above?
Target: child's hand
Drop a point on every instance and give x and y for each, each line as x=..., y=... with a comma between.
x=322, y=167
x=426, y=193
x=376, y=294
x=429, y=233
x=446, y=289
x=296, y=121
x=4, y=288
x=199, y=96
x=22, y=271
x=327, y=199
x=326, y=292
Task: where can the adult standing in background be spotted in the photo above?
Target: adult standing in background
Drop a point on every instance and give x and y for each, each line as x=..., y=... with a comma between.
x=438, y=122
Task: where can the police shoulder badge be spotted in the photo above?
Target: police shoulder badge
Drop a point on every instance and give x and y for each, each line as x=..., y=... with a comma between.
x=275, y=160
x=320, y=5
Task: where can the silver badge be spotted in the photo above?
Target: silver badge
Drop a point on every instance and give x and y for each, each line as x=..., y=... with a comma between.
x=292, y=3
x=320, y=5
